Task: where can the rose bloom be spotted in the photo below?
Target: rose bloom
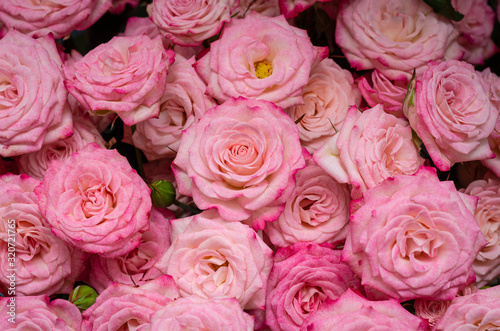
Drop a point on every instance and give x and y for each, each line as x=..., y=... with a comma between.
x=123, y=307
x=475, y=29
x=354, y=312
x=452, y=113
x=241, y=158
x=39, y=313
x=95, y=201
x=317, y=211
x=430, y=310
x=327, y=97
x=370, y=147
x=139, y=266
x=478, y=311
x=188, y=23
x=376, y=88
x=303, y=277
x=194, y=313
x=212, y=258
x=394, y=36
x=118, y=6
x=33, y=105
x=487, y=263
x=182, y=104
x=44, y=264
x=57, y=17
x=414, y=237
x=259, y=58
x=35, y=164
x=126, y=75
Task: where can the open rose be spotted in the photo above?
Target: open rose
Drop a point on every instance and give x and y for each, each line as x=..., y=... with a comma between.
x=210, y=257
x=125, y=75
x=394, y=36
x=33, y=100
x=414, y=237
x=452, y=113
x=95, y=201
x=303, y=277
x=370, y=147
x=43, y=263
x=240, y=158
x=188, y=23
x=352, y=312
x=259, y=58
x=491, y=83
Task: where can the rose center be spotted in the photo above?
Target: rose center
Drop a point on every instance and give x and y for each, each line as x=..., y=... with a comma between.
x=308, y=299
x=263, y=69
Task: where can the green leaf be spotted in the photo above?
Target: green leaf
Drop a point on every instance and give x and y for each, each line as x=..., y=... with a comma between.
x=83, y=297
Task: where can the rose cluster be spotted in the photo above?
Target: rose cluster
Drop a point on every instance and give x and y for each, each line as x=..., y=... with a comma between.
x=249, y=165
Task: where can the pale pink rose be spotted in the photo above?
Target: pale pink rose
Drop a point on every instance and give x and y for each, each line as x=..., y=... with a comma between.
x=126, y=75
x=292, y=8
x=182, y=105
x=491, y=83
x=33, y=100
x=478, y=311
x=376, y=88
x=317, y=211
x=123, y=307
x=452, y=114
x=370, y=147
x=327, y=97
x=303, y=277
x=188, y=23
x=268, y=8
x=39, y=313
x=353, y=312
x=35, y=164
x=414, y=237
x=487, y=263
x=475, y=29
x=241, y=158
x=395, y=37
x=259, y=58
x=95, y=201
x=212, y=258
x=60, y=17
x=430, y=310
x=194, y=313
x=139, y=266
x=118, y=6
x=43, y=263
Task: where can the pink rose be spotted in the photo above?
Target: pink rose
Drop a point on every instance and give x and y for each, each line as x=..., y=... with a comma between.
x=126, y=75
x=95, y=201
x=33, y=105
x=394, y=36
x=240, y=158
x=303, y=277
x=478, y=311
x=212, y=258
x=414, y=237
x=44, y=264
x=430, y=310
x=57, y=17
x=376, y=88
x=292, y=8
x=35, y=164
x=327, y=97
x=139, y=266
x=487, y=263
x=475, y=29
x=182, y=105
x=39, y=313
x=452, y=113
x=118, y=6
x=491, y=83
x=317, y=211
x=188, y=23
x=370, y=147
x=259, y=58
x=194, y=313
x=123, y=307
x=354, y=312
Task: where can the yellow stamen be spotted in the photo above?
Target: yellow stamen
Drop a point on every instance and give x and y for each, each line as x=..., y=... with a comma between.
x=263, y=69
